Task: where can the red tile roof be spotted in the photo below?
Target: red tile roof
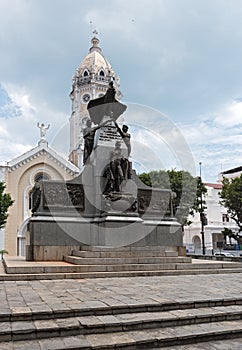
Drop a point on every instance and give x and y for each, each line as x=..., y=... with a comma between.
x=215, y=186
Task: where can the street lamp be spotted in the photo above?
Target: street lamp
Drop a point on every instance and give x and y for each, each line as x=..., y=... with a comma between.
x=202, y=216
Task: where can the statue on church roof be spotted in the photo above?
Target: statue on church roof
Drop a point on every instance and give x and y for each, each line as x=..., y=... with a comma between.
x=106, y=105
x=43, y=130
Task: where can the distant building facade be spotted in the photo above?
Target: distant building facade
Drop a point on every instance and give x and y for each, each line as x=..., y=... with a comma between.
x=231, y=173
x=217, y=220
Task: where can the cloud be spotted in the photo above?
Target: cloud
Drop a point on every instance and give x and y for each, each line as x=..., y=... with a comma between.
x=230, y=115
x=20, y=133
x=216, y=140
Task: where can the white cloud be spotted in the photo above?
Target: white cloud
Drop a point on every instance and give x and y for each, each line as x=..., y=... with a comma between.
x=20, y=133
x=217, y=140
x=230, y=115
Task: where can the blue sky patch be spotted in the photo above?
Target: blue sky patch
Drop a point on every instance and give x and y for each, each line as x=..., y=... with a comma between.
x=8, y=109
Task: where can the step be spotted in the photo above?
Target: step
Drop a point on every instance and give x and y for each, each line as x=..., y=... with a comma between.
x=132, y=267
x=119, y=308
x=119, y=322
x=121, y=254
x=119, y=261
x=208, y=265
x=128, y=248
x=135, y=339
x=85, y=275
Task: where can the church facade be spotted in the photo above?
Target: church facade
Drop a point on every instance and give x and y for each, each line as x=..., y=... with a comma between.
x=20, y=175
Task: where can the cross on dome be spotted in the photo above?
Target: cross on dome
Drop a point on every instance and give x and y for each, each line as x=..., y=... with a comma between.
x=95, y=42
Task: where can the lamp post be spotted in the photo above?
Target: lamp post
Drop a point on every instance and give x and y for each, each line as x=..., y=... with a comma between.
x=201, y=211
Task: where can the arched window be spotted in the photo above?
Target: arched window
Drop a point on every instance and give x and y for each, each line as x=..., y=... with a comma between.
x=101, y=73
x=41, y=176
x=86, y=73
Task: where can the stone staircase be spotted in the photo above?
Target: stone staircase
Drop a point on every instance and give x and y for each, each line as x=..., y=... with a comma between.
x=95, y=262
x=141, y=326
x=142, y=261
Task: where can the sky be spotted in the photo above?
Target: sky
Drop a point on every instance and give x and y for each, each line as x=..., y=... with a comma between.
x=179, y=59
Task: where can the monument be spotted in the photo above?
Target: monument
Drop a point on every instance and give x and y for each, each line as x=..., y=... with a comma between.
x=106, y=205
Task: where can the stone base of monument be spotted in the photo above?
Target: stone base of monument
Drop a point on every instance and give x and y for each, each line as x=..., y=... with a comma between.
x=51, y=238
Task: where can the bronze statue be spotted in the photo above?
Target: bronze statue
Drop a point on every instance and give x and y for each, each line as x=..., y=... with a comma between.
x=125, y=135
x=106, y=105
x=117, y=171
x=88, y=135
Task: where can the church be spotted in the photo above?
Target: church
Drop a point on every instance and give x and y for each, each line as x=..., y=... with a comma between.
x=91, y=80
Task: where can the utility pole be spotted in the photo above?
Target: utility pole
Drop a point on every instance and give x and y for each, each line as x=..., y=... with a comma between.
x=201, y=212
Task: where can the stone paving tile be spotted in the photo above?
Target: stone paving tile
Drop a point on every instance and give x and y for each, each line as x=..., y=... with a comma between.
x=23, y=327
x=46, y=324
x=229, y=344
x=5, y=327
x=76, y=340
x=110, y=339
x=6, y=346
x=68, y=323
x=94, y=293
x=51, y=344
x=29, y=345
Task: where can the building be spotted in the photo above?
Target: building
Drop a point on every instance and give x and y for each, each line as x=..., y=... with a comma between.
x=231, y=173
x=20, y=175
x=217, y=220
x=90, y=81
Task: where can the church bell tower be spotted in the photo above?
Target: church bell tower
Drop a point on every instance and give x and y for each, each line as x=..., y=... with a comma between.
x=90, y=81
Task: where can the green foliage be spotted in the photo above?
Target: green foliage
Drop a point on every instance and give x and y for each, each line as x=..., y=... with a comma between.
x=231, y=198
x=200, y=204
x=227, y=232
x=2, y=252
x=189, y=190
x=5, y=203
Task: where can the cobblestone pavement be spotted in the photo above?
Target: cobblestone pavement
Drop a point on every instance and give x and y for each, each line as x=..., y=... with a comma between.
x=30, y=296
x=23, y=297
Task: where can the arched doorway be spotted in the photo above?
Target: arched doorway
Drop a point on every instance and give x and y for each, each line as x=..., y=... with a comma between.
x=197, y=243
x=21, y=238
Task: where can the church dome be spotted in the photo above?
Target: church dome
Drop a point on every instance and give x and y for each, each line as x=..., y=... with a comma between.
x=95, y=66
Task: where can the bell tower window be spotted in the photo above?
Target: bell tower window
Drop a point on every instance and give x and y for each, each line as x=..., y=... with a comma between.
x=86, y=73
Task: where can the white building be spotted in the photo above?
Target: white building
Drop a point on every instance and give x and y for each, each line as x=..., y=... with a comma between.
x=217, y=220
x=231, y=173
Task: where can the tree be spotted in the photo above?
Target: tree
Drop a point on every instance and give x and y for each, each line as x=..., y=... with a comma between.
x=5, y=203
x=227, y=232
x=231, y=198
x=190, y=191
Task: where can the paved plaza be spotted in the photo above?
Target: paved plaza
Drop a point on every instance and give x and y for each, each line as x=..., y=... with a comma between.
x=23, y=299
x=66, y=294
